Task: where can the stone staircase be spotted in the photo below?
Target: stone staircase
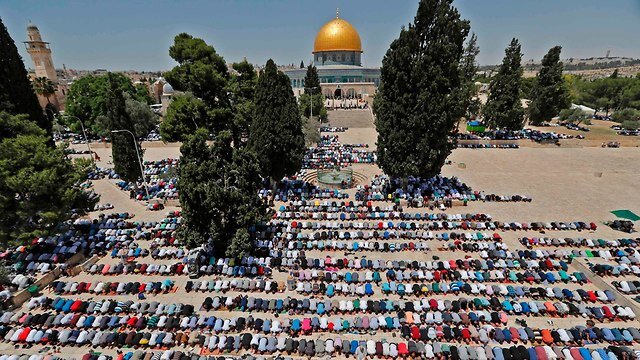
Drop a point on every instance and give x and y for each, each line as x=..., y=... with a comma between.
x=357, y=178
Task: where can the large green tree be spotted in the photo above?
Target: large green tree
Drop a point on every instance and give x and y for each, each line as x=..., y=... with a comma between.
x=218, y=187
x=550, y=93
x=87, y=99
x=241, y=89
x=312, y=101
x=123, y=148
x=419, y=100
x=16, y=92
x=276, y=133
x=629, y=118
x=312, y=81
x=185, y=114
x=468, y=68
x=504, y=108
x=39, y=186
x=202, y=72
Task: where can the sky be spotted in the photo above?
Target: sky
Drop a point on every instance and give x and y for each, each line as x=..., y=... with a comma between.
x=136, y=34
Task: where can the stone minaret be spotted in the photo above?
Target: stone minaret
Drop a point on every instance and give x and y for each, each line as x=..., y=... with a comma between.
x=40, y=53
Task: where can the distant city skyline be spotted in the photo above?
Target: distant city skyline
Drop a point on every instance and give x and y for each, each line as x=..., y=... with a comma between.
x=125, y=35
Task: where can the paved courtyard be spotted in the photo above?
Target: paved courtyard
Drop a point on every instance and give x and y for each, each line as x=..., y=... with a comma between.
x=566, y=184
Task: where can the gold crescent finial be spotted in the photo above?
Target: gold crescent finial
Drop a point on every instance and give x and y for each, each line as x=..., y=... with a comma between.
x=337, y=13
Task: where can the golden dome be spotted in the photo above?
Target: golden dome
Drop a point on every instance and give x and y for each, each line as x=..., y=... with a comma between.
x=337, y=35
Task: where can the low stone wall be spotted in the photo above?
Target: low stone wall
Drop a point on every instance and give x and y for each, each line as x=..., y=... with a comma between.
x=23, y=295
x=621, y=299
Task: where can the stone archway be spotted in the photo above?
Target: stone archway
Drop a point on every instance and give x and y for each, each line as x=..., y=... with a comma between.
x=338, y=93
x=351, y=93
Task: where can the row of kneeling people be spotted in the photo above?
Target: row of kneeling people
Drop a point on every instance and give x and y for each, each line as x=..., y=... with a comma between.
x=577, y=335
x=615, y=270
x=385, y=349
x=434, y=311
x=105, y=288
x=541, y=260
x=424, y=332
x=442, y=287
x=496, y=275
x=179, y=268
x=108, y=306
x=220, y=285
x=581, y=242
x=402, y=233
x=428, y=224
x=377, y=246
x=380, y=349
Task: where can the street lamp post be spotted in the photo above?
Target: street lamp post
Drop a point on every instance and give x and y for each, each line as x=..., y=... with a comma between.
x=135, y=144
x=311, y=99
x=85, y=137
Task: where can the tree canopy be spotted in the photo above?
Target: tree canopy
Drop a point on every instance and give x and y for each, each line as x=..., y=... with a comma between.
x=574, y=116
x=549, y=94
x=608, y=94
x=87, y=100
x=468, y=68
x=276, y=132
x=504, y=108
x=185, y=114
x=312, y=98
x=123, y=148
x=39, y=186
x=218, y=187
x=629, y=118
x=241, y=88
x=420, y=98
x=203, y=73
x=16, y=93
x=312, y=81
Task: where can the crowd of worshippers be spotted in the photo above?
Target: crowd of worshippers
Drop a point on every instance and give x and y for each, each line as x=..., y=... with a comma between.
x=487, y=146
x=337, y=295
x=270, y=344
x=82, y=238
x=330, y=154
x=345, y=104
x=503, y=134
x=44, y=254
x=333, y=129
x=160, y=181
x=295, y=189
x=436, y=192
x=410, y=325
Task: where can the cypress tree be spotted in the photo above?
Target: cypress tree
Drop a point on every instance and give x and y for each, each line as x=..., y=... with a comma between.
x=503, y=108
x=218, y=187
x=311, y=81
x=123, y=149
x=276, y=132
x=301, y=64
x=16, y=92
x=468, y=69
x=419, y=100
x=550, y=93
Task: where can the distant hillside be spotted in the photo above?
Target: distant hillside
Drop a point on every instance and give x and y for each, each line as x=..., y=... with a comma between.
x=577, y=65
